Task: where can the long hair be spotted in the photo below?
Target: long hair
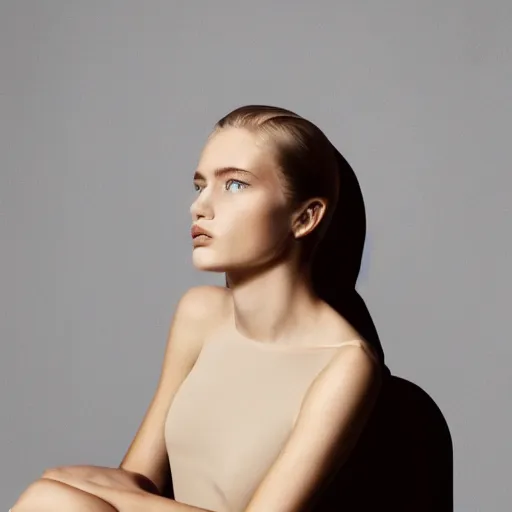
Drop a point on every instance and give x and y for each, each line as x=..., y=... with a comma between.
x=312, y=167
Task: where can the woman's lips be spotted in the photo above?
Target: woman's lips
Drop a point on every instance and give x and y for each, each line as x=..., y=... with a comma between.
x=197, y=231
x=201, y=240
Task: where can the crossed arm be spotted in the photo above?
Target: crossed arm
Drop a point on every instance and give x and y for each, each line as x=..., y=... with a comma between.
x=64, y=494
x=332, y=416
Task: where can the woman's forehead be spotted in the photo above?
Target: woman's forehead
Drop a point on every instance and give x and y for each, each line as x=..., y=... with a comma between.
x=237, y=147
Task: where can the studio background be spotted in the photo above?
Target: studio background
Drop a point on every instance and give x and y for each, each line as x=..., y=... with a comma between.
x=104, y=108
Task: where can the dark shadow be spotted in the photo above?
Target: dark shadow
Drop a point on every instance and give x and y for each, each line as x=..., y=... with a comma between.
x=168, y=490
x=403, y=460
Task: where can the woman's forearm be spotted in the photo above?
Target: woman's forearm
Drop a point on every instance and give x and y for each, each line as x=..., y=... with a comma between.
x=129, y=500
x=66, y=492
x=52, y=496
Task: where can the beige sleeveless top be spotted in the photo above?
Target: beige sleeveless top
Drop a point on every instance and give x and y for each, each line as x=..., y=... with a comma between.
x=232, y=415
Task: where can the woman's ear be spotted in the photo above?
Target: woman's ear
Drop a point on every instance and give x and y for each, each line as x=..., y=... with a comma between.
x=308, y=216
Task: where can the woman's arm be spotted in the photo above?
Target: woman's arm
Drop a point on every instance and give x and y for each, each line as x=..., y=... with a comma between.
x=112, y=477
x=51, y=496
x=45, y=495
x=196, y=314
x=332, y=416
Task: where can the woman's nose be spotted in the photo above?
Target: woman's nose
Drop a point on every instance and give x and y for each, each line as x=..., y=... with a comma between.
x=201, y=207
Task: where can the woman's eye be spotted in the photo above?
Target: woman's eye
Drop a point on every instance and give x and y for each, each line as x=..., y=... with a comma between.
x=240, y=185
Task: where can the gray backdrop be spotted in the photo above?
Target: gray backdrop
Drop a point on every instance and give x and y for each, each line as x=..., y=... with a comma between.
x=104, y=107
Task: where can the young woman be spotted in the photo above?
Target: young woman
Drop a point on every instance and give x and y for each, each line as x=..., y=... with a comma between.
x=267, y=383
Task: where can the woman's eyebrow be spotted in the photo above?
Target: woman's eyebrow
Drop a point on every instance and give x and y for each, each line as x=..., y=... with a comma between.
x=222, y=171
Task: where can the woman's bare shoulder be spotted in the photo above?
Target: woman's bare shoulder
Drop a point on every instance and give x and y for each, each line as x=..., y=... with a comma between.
x=205, y=300
x=204, y=307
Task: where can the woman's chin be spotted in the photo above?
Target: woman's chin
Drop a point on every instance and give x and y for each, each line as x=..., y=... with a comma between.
x=206, y=264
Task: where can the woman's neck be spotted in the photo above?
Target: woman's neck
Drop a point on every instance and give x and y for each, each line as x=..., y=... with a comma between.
x=277, y=305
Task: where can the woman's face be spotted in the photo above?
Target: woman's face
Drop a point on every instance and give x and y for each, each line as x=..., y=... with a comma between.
x=245, y=211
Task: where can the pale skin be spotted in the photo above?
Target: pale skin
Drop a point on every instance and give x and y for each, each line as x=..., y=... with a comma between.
x=255, y=241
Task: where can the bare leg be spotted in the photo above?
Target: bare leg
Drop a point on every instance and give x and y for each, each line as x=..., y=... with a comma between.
x=52, y=496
